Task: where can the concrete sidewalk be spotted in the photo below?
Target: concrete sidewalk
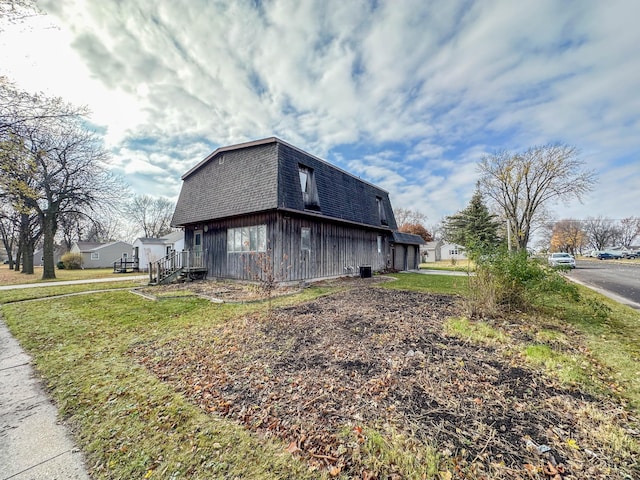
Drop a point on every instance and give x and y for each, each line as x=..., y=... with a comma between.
x=34, y=445
x=73, y=282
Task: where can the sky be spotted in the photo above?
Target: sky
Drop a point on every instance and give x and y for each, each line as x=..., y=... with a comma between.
x=408, y=95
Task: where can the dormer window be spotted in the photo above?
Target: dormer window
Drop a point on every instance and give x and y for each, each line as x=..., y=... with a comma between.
x=308, y=188
x=304, y=180
x=381, y=211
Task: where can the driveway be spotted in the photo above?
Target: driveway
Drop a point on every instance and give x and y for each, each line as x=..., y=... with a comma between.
x=616, y=279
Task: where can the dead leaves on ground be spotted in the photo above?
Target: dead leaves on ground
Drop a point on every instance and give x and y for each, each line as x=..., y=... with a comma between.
x=315, y=374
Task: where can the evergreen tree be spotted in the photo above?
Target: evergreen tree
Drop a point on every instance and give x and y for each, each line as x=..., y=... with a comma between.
x=474, y=227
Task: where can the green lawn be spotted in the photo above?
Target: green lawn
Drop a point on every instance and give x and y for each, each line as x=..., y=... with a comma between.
x=127, y=421
x=52, y=290
x=130, y=424
x=458, y=265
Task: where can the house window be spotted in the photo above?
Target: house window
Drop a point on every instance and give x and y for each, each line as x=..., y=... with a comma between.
x=379, y=243
x=382, y=214
x=453, y=251
x=124, y=256
x=305, y=239
x=247, y=239
x=304, y=180
x=308, y=188
x=95, y=256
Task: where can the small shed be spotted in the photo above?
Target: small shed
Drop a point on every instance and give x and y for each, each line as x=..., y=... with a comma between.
x=147, y=250
x=405, y=251
x=430, y=251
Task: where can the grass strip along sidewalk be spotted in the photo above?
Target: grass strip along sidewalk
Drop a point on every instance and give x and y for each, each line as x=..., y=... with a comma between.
x=133, y=423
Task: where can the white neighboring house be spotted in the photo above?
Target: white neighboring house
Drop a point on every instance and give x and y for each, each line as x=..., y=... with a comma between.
x=102, y=255
x=430, y=252
x=452, y=251
x=148, y=250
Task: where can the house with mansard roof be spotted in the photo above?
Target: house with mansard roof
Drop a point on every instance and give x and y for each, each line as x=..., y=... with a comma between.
x=269, y=200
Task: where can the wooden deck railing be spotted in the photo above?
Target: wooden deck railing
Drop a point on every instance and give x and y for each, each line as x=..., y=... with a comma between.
x=124, y=266
x=186, y=261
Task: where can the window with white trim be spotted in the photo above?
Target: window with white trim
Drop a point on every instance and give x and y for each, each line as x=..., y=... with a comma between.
x=95, y=256
x=379, y=243
x=247, y=239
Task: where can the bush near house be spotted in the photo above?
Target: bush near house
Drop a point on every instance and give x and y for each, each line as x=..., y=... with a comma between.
x=71, y=261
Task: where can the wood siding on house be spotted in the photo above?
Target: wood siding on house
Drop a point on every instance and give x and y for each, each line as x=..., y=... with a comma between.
x=334, y=247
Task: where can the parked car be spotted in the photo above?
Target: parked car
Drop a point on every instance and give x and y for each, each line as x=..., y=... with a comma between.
x=630, y=254
x=609, y=256
x=561, y=259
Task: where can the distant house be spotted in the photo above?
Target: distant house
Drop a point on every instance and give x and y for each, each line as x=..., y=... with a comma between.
x=430, y=251
x=438, y=250
x=147, y=250
x=102, y=255
x=38, y=255
x=268, y=200
x=452, y=251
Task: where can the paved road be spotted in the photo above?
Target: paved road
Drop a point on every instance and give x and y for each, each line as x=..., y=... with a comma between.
x=619, y=278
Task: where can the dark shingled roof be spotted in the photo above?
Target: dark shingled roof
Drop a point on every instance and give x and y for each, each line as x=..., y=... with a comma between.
x=89, y=246
x=264, y=175
x=408, y=238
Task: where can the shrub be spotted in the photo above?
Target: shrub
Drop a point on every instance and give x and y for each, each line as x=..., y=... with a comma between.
x=60, y=265
x=261, y=268
x=507, y=281
x=71, y=261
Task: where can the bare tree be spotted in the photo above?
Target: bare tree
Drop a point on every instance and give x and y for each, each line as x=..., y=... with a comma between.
x=407, y=216
x=9, y=230
x=151, y=215
x=524, y=184
x=20, y=109
x=16, y=10
x=51, y=165
x=629, y=229
x=99, y=227
x=601, y=232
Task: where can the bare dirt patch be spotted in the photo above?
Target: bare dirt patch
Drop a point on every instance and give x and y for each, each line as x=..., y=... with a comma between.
x=233, y=292
x=321, y=374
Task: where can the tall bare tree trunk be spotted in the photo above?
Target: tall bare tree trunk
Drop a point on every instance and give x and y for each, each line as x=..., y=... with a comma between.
x=48, y=234
x=26, y=244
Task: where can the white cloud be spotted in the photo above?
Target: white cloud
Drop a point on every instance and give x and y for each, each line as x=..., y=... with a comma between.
x=430, y=85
